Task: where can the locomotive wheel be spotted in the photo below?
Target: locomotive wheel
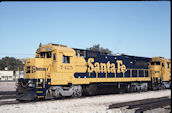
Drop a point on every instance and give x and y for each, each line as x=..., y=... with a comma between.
x=77, y=93
x=48, y=95
x=129, y=88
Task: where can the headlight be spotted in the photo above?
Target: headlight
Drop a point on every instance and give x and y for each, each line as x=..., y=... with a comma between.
x=41, y=80
x=31, y=84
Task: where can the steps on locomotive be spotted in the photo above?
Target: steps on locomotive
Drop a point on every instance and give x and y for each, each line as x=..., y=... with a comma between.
x=40, y=90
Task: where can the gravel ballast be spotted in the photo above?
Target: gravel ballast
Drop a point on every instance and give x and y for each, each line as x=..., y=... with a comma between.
x=94, y=104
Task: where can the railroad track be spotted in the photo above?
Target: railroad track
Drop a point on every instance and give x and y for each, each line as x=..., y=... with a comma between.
x=144, y=105
x=7, y=95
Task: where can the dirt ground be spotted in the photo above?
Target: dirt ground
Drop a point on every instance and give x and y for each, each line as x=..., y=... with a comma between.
x=94, y=104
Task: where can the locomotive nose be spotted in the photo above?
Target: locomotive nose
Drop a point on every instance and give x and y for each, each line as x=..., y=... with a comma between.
x=35, y=67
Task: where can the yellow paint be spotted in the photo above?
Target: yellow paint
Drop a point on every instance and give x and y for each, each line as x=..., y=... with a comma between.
x=162, y=70
x=40, y=96
x=39, y=91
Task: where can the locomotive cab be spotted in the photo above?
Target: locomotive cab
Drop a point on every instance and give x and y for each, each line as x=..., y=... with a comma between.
x=160, y=71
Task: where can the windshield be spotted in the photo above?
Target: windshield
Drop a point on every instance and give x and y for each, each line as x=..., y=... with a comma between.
x=45, y=54
x=155, y=63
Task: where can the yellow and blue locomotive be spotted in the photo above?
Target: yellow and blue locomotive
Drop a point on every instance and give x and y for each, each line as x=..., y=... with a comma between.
x=59, y=71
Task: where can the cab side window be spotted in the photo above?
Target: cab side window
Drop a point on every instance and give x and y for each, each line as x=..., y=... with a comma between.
x=48, y=54
x=167, y=65
x=54, y=56
x=162, y=64
x=66, y=59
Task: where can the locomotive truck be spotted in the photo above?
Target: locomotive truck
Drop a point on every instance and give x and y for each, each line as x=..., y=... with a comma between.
x=59, y=71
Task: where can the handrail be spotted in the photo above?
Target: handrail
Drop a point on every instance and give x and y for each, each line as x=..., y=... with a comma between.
x=46, y=69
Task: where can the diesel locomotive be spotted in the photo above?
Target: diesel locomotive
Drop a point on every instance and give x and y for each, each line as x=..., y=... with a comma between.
x=59, y=71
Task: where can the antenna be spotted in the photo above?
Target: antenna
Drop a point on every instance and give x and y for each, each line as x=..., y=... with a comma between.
x=40, y=44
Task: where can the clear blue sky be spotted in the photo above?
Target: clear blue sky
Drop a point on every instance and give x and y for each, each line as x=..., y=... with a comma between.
x=134, y=28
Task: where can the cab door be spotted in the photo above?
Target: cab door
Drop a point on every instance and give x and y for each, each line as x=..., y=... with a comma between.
x=166, y=71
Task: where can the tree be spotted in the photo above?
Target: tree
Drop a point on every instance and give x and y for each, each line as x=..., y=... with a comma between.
x=100, y=49
x=11, y=63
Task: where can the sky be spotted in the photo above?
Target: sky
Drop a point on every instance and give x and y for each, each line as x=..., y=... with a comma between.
x=139, y=28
